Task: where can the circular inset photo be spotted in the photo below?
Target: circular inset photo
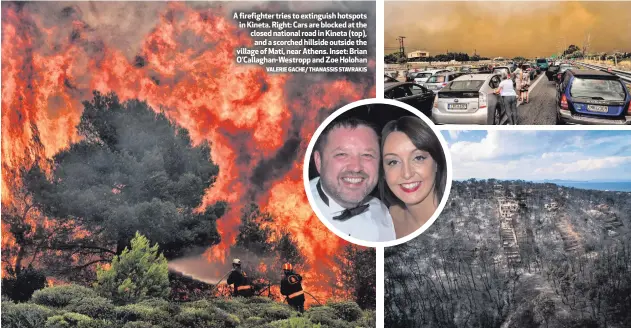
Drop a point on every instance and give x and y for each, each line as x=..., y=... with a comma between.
x=377, y=172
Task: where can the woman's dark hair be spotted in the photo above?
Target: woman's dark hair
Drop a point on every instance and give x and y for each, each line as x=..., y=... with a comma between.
x=424, y=139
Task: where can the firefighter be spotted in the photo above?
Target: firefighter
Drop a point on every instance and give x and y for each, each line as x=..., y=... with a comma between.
x=291, y=288
x=240, y=280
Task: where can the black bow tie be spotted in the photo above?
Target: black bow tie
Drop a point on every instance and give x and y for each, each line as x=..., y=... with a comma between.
x=350, y=212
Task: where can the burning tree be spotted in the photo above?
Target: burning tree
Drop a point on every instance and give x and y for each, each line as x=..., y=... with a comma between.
x=23, y=229
x=265, y=247
x=134, y=170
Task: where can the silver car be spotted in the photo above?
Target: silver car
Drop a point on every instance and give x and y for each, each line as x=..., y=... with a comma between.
x=440, y=80
x=469, y=99
x=425, y=75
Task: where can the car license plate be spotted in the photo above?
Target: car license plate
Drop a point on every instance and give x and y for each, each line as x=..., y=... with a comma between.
x=598, y=109
x=456, y=106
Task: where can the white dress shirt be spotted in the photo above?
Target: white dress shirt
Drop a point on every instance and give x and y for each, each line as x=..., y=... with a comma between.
x=373, y=225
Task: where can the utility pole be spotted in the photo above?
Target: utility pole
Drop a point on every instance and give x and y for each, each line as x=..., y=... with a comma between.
x=401, y=46
x=587, y=45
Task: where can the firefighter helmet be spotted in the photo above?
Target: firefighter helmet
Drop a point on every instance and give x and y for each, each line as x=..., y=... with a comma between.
x=287, y=267
x=236, y=262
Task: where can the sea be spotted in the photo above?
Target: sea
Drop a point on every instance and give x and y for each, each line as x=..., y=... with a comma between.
x=610, y=186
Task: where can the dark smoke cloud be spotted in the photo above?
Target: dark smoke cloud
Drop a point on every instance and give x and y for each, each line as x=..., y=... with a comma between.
x=509, y=28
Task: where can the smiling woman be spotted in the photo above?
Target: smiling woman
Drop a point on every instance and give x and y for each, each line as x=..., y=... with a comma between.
x=414, y=178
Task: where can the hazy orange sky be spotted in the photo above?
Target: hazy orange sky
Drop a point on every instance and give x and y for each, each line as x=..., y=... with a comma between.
x=507, y=29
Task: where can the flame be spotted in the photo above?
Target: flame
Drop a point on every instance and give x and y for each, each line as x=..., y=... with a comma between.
x=262, y=267
x=246, y=114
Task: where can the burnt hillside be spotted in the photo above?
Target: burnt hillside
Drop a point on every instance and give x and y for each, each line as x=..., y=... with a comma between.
x=516, y=254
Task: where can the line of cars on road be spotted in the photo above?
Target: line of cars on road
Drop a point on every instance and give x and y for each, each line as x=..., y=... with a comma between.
x=583, y=96
x=452, y=98
x=462, y=96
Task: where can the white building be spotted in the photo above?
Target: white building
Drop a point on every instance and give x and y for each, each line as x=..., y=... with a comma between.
x=418, y=54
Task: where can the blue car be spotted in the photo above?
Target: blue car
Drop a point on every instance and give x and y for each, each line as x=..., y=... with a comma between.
x=592, y=97
x=542, y=63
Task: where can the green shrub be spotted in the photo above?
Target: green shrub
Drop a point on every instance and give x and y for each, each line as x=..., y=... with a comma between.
x=139, y=312
x=60, y=296
x=237, y=306
x=155, y=302
x=271, y=311
x=195, y=317
x=258, y=300
x=230, y=305
x=201, y=304
x=202, y=318
x=323, y=314
x=254, y=322
x=277, y=312
x=348, y=311
x=296, y=322
x=94, y=307
x=71, y=319
x=24, y=315
x=162, y=305
x=135, y=275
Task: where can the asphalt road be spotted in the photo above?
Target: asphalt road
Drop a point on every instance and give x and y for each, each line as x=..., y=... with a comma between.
x=541, y=108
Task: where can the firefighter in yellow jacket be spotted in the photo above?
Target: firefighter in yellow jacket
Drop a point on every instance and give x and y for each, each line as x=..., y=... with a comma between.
x=240, y=280
x=291, y=288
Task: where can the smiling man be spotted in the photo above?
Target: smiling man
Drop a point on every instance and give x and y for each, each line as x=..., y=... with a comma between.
x=347, y=158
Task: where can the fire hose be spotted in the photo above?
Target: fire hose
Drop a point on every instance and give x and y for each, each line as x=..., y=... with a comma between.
x=220, y=279
x=306, y=292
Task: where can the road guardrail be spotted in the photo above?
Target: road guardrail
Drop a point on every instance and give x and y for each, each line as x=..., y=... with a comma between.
x=624, y=75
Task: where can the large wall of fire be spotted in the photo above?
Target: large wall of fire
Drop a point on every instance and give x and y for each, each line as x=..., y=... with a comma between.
x=179, y=58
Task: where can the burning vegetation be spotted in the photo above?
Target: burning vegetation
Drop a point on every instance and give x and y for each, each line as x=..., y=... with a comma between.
x=160, y=131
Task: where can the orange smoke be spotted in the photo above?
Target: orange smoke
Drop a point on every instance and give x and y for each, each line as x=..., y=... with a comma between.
x=185, y=66
x=508, y=28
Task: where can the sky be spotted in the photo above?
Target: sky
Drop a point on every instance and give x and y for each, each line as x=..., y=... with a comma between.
x=507, y=29
x=540, y=155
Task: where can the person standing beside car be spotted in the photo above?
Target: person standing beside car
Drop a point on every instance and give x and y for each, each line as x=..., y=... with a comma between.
x=508, y=98
x=517, y=77
x=524, y=85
